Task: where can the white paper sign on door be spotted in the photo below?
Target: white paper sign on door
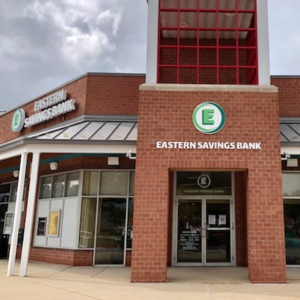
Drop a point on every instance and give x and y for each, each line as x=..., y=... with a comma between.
x=212, y=219
x=222, y=219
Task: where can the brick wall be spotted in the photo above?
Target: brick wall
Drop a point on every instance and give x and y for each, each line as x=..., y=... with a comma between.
x=113, y=95
x=94, y=94
x=165, y=115
x=289, y=95
x=62, y=256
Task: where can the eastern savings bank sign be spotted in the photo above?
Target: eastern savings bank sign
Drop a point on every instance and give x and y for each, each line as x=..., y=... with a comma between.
x=19, y=119
x=208, y=118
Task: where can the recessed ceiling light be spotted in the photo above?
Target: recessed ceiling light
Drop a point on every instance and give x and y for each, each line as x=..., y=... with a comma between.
x=230, y=15
x=183, y=24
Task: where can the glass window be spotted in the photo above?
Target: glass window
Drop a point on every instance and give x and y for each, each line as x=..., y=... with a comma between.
x=87, y=223
x=203, y=183
x=291, y=184
x=72, y=184
x=58, y=186
x=90, y=183
x=4, y=193
x=292, y=231
x=13, y=192
x=132, y=179
x=114, y=183
x=45, y=188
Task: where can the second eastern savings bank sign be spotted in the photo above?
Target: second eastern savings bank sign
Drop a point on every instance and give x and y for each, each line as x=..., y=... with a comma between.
x=208, y=118
x=19, y=120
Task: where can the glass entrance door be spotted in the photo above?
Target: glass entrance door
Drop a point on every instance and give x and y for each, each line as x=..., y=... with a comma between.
x=203, y=232
x=110, y=241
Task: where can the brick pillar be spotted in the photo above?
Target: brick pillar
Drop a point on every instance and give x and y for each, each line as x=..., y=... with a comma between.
x=265, y=224
x=150, y=234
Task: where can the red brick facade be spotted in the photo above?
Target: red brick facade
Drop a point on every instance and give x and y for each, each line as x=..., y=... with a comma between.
x=289, y=95
x=165, y=115
x=94, y=94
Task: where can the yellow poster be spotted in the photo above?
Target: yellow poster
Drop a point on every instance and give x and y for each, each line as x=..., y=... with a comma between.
x=53, y=223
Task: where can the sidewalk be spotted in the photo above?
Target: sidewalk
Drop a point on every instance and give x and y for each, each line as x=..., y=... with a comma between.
x=49, y=282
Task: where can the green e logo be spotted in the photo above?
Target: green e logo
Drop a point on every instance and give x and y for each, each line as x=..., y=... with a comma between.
x=18, y=119
x=209, y=117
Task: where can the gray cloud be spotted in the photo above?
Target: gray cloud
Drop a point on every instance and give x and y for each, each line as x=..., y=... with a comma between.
x=46, y=43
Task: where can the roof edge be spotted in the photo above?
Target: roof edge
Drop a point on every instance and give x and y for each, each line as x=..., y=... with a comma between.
x=73, y=80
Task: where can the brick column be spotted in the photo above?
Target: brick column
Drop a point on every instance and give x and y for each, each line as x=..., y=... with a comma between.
x=265, y=224
x=150, y=234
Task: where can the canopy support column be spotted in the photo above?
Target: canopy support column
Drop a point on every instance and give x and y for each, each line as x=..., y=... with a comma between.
x=17, y=216
x=29, y=214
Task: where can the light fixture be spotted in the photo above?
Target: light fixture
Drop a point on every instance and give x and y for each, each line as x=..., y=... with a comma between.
x=16, y=173
x=53, y=165
x=129, y=155
x=229, y=15
x=285, y=156
x=113, y=161
x=292, y=162
x=183, y=25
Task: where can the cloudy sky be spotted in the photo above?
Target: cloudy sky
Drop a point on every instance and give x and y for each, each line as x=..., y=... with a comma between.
x=45, y=43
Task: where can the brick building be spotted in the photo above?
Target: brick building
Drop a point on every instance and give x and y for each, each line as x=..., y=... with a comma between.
x=193, y=164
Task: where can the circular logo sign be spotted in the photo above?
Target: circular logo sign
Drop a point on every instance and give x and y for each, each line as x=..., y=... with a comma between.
x=204, y=181
x=18, y=119
x=209, y=117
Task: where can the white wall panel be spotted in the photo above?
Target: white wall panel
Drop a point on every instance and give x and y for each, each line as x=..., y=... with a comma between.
x=70, y=219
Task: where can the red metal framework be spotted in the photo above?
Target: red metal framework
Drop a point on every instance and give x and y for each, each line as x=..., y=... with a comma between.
x=207, y=42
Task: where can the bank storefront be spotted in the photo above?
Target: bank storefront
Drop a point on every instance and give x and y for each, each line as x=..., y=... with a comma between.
x=204, y=219
x=90, y=210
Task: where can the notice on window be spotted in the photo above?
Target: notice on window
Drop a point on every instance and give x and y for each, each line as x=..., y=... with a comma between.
x=212, y=219
x=222, y=219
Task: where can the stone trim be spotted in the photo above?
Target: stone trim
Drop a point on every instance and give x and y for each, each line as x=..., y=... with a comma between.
x=208, y=88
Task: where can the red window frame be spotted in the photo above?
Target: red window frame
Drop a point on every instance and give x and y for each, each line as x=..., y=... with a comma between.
x=251, y=47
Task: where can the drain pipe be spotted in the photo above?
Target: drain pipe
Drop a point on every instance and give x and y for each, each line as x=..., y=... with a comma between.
x=129, y=155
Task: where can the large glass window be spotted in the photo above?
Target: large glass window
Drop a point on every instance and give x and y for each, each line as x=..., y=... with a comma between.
x=114, y=183
x=4, y=199
x=292, y=231
x=291, y=195
x=87, y=223
x=90, y=183
x=58, y=186
x=14, y=190
x=72, y=184
x=203, y=183
x=104, y=214
x=291, y=184
x=45, y=187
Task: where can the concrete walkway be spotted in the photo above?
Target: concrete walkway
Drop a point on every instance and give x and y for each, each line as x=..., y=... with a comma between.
x=55, y=282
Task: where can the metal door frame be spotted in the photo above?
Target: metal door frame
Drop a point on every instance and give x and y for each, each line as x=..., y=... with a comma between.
x=204, y=199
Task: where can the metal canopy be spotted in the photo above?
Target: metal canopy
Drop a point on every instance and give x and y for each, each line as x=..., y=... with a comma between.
x=92, y=131
x=290, y=132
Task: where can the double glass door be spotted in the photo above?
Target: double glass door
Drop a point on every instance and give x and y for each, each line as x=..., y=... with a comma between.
x=204, y=232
